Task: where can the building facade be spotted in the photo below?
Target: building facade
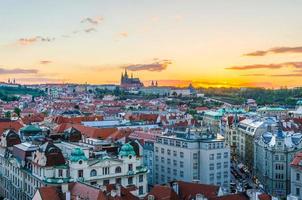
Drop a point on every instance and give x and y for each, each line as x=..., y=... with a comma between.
x=273, y=154
x=191, y=157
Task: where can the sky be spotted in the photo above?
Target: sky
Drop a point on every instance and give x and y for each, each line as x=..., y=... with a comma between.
x=210, y=43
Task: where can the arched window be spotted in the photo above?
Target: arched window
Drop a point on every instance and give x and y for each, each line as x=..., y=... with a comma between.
x=118, y=170
x=93, y=172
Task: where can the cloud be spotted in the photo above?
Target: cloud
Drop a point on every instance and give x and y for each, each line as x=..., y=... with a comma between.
x=89, y=30
x=288, y=75
x=39, y=80
x=18, y=71
x=32, y=40
x=153, y=67
x=45, y=62
x=92, y=20
x=253, y=75
x=267, y=66
x=276, y=50
x=123, y=34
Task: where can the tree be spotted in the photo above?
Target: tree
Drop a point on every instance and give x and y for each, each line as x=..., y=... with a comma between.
x=8, y=114
x=17, y=111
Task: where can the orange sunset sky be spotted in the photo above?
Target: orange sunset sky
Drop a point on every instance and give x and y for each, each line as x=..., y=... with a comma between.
x=215, y=43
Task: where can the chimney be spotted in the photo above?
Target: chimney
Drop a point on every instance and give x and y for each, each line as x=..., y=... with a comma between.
x=200, y=197
x=151, y=197
x=68, y=196
x=175, y=187
x=113, y=193
x=64, y=188
x=118, y=190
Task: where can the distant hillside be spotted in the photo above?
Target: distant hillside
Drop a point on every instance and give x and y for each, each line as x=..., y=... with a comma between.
x=12, y=93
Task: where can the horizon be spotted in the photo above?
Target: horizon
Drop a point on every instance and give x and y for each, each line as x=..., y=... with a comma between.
x=207, y=43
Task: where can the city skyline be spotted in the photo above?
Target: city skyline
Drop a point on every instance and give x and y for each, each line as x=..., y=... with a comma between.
x=207, y=43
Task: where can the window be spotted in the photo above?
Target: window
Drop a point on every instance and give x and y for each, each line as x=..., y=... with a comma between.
x=60, y=173
x=162, y=159
x=211, y=157
x=141, y=178
x=218, y=165
x=218, y=155
x=211, y=166
x=130, y=167
x=80, y=173
x=130, y=180
x=181, y=154
x=225, y=154
x=106, y=182
x=297, y=177
x=105, y=170
x=162, y=150
x=169, y=152
x=195, y=156
x=175, y=172
x=297, y=191
x=141, y=190
x=156, y=149
x=168, y=161
x=225, y=165
x=118, y=180
x=181, y=164
x=93, y=172
x=174, y=153
x=195, y=165
x=212, y=177
x=93, y=183
x=181, y=173
x=165, y=141
x=118, y=170
x=175, y=163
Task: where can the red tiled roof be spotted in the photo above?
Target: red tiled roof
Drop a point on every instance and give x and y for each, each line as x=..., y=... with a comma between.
x=91, y=132
x=264, y=197
x=76, y=120
x=239, y=196
x=85, y=191
x=202, y=108
x=297, y=161
x=49, y=193
x=33, y=118
x=188, y=190
x=15, y=125
x=163, y=193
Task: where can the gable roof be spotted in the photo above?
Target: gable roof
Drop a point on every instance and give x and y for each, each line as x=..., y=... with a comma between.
x=187, y=190
x=163, y=193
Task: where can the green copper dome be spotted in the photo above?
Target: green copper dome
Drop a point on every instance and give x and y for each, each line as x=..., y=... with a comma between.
x=77, y=154
x=31, y=128
x=127, y=150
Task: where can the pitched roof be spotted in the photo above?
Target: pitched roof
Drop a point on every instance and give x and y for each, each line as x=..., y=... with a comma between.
x=163, y=193
x=49, y=193
x=15, y=125
x=238, y=196
x=264, y=197
x=297, y=161
x=85, y=191
x=91, y=132
x=188, y=190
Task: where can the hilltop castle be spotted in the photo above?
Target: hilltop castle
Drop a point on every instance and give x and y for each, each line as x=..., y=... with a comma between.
x=130, y=82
